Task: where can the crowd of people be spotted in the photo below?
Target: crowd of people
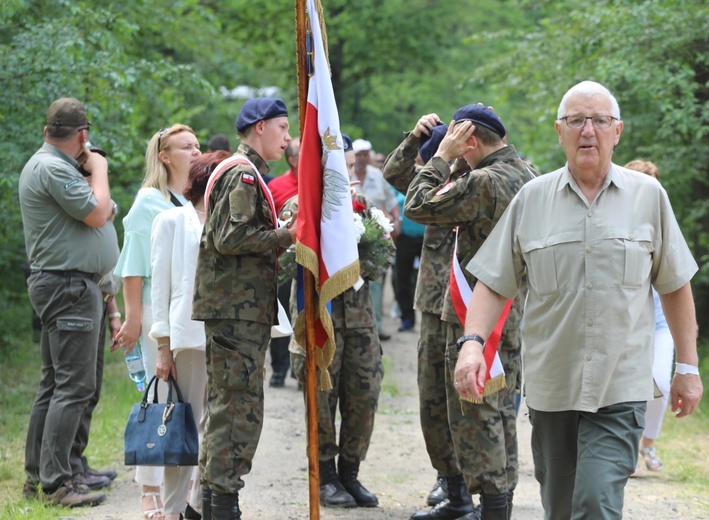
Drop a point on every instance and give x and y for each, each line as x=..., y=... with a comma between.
x=583, y=271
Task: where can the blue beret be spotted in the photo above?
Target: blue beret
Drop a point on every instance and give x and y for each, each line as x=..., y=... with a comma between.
x=259, y=109
x=428, y=144
x=480, y=115
x=346, y=143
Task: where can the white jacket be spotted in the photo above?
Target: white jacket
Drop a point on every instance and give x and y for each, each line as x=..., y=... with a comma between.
x=174, y=244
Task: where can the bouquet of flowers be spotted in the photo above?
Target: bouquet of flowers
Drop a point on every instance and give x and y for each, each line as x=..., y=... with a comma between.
x=374, y=244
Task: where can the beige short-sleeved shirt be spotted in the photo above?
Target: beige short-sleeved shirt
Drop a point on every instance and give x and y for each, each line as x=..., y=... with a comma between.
x=588, y=324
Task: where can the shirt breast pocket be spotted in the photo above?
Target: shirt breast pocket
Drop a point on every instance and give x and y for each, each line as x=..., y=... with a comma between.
x=551, y=261
x=637, y=249
x=627, y=256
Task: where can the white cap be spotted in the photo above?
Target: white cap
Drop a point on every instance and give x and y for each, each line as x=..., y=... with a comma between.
x=361, y=145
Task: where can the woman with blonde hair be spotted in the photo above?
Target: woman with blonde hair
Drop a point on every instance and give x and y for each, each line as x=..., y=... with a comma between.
x=168, y=157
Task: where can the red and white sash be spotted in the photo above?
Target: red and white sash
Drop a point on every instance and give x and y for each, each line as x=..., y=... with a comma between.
x=230, y=162
x=460, y=293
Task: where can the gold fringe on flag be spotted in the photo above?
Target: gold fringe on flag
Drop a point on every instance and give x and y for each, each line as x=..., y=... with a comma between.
x=493, y=385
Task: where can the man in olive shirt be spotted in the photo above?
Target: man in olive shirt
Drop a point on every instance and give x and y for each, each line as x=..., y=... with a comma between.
x=591, y=237
x=71, y=244
x=235, y=296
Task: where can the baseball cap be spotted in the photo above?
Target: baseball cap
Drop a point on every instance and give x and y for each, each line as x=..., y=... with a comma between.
x=67, y=112
x=361, y=145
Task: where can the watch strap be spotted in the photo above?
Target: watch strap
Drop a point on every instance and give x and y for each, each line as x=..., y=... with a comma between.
x=469, y=337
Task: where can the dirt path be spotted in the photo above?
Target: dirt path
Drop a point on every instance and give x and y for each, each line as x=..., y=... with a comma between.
x=397, y=467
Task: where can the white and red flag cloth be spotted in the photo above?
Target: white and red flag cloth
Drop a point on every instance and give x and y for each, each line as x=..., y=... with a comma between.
x=460, y=293
x=327, y=241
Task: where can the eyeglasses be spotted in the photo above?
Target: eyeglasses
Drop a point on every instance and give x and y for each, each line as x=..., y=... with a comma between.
x=600, y=122
x=161, y=133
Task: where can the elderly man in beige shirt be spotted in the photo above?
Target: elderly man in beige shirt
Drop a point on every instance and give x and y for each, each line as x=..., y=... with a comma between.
x=592, y=238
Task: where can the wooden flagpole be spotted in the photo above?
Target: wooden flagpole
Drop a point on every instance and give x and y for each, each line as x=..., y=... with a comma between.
x=311, y=397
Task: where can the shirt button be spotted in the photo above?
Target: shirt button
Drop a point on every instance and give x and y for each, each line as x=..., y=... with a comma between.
x=590, y=213
x=589, y=285
x=589, y=249
x=588, y=358
x=589, y=323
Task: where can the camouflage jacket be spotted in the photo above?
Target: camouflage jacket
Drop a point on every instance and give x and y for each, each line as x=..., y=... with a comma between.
x=474, y=202
x=353, y=308
x=399, y=170
x=236, y=265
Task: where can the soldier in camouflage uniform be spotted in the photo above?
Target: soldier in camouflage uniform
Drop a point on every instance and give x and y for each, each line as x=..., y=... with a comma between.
x=235, y=296
x=399, y=170
x=484, y=434
x=356, y=373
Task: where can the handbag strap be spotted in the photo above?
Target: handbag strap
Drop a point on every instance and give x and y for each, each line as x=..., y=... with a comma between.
x=170, y=384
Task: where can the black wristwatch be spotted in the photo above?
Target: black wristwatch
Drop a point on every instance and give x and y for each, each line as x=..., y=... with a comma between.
x=469, y=337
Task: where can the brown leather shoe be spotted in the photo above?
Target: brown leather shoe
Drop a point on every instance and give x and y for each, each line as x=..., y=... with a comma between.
x=29, y=490
x=69, y=495
x=91, y=481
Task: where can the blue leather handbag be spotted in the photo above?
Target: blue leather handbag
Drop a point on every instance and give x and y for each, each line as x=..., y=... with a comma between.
x=161, y=434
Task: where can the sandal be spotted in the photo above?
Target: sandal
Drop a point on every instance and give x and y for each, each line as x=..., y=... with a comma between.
x=157, y=512
x=652, y=459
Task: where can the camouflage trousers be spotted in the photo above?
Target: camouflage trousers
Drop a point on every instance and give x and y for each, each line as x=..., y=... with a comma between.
x=356, y=373
x=485, y=435
x=236, y=352
x=433, y=401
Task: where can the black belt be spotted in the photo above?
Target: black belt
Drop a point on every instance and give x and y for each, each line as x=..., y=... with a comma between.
x=72, y=274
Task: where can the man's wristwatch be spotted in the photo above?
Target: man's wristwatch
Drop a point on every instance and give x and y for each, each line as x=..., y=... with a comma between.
x=469, y=337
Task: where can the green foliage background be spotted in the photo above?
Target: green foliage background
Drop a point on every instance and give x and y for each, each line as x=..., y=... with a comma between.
x=142, y=65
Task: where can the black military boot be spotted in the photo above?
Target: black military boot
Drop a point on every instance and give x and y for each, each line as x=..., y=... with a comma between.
x=332, y=492
x=206, y=503
x=439, y=491
x=510, y=496
x=494, y=507
x=225, y=506
x=458, y=503
x=348, y=472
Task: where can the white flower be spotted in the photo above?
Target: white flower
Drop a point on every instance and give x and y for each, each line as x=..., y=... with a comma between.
x=359, y=225
x=381, y=219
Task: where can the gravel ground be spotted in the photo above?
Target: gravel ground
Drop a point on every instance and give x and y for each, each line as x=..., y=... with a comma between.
x=397, y=467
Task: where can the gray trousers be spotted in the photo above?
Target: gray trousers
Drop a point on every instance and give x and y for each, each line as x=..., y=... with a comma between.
x=71, y=309
x=78, y=461
x=583, y=460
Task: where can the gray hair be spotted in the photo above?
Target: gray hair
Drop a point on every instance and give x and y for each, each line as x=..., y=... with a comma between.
x=588, y=89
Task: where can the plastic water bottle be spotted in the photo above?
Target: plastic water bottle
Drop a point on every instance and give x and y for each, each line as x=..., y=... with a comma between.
x=136, y=369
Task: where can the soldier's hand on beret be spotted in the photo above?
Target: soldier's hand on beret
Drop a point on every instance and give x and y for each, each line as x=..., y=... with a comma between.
x=455, y=143
x=426, y=124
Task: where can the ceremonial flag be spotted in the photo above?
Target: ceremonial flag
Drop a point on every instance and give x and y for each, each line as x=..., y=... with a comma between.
x=327, y=243
x=460, y=293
